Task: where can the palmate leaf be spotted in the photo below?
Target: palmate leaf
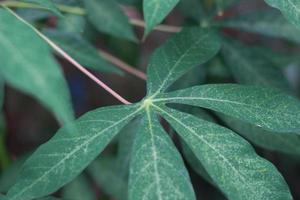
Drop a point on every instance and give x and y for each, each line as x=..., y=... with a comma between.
x=157, y=170
x=107, y=17
x=27, y=64
x=155, y=11
x=289, y=8
x=62, y=158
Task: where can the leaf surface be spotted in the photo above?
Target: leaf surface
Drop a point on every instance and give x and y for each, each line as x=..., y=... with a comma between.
x=250, y=67
x=271, y=24
x=107, y=17
x=289, y=8
x=157, y=170
x=155, y=11
x=64, y=156
x=267, y=108
x=230, y=161
x=47, y=4
x=26, y=63
x=185, y=50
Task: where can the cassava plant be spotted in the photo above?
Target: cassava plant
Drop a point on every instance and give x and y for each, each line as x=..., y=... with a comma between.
x=211, y=123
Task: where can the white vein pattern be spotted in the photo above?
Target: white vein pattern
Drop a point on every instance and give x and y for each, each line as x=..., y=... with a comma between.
x=70, y=152
x=191, y=47
x=264, y=107
x=157, y=171
x=155, y=11
x=229, y=159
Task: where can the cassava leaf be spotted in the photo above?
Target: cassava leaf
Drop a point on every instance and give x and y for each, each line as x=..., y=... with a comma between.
x=185, y=50
x=64, y=156
x=107, y=17
x=157, y=170
x=289, y=8
x=155, y=11
x=46, y=4
x=27, y=64
x=266, y=23
x=267, y=108
x=235, y=167
x=281, y=142
x=250, y=67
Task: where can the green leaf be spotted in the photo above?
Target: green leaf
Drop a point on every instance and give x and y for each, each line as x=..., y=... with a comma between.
x=157, y=170
x=155, y=11
x=80, y=49
x=46, y=4
x=107, y=17
x=125, y=143
x=104, y=172
x=185, y=50
x=289, y=8
x=250, y=67
x=192, y=9
x=63, y=157
x=79, y=189
x=282, y=142
x=267, y=108
x=266, y=23
x=27, y=64
x=230, y=161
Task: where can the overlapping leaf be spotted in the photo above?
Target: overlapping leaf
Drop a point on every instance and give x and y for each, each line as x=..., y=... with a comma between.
x=107, y=17
x=235, y=167
x=26, y=63
x=289, y=8
x=155, y=11
x=182, y=52
x=46, y=4
x=157, y=170
x=266, y=23
x=264, y=107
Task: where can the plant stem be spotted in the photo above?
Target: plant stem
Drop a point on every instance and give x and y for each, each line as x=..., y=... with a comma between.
x=122, y=65
x=71, y=60
x=81, y=11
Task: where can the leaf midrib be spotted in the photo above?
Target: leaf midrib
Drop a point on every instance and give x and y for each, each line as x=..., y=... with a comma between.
x=74, y=151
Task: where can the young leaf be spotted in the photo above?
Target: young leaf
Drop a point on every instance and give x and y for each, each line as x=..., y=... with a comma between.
x=26, y=63
x=264, y=107
x=63, y=157
x=185, y=50
x=230, y=161
x=157, y=170
x=266, y=23
x=155, y=11
x=108, y=17
x=47, y=4
x=249, y=67
x=289, y=8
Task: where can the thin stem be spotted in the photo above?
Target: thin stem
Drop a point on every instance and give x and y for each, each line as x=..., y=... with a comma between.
x=80, y=11
x=71, y=60
x=162, y=27
x=122, y=65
